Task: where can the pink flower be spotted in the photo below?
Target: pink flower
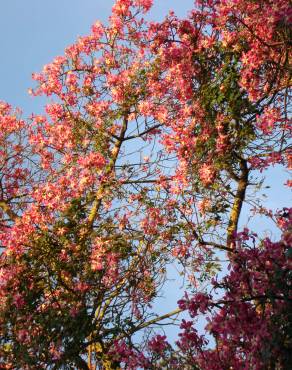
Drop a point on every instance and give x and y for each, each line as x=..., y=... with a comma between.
x=158, y=344
x=18, y=300
x=207, y=174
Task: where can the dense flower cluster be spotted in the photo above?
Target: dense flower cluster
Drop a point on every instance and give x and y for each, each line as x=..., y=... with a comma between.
x=248, y=314
x=251, y=322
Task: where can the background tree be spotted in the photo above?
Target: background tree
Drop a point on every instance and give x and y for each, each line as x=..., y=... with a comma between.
x=144, y=157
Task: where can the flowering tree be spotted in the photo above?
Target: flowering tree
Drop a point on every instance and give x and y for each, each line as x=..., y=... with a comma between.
x=144, y=158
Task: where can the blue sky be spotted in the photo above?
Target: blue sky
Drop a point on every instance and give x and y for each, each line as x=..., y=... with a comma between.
x=33, y=32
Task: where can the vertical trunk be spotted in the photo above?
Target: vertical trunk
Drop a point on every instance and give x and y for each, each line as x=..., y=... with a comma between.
x=242, y=184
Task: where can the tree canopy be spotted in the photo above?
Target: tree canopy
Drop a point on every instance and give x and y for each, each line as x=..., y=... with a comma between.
x=155, y=135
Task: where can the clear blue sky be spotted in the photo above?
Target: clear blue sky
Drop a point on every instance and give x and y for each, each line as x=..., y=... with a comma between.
x=33, y=32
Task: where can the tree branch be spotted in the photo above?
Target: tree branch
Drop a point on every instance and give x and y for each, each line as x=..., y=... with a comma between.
x=109, y=170
x=6, y=208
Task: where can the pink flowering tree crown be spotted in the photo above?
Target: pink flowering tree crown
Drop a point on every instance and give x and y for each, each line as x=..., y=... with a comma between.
x=144, y=158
